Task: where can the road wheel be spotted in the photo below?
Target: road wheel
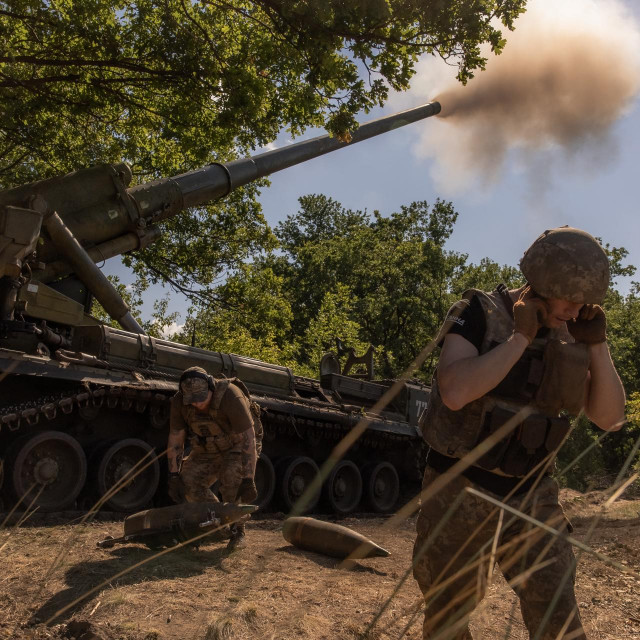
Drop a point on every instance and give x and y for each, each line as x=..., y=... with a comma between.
x=295, y=476
x=48, y=470
x=133, y=465
x=381, y=486
x=342, y=489
x=265, y=481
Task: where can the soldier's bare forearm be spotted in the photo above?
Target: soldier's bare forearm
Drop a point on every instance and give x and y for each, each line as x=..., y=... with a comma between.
x=249, y=457
x=463, y=375
x=175, y=450
x=605, y=394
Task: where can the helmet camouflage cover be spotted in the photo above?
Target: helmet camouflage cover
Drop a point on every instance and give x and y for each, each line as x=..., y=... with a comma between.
x=194, y=384
x=567, y=263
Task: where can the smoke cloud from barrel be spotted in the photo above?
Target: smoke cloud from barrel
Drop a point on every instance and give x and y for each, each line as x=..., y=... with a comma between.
x=568, y=72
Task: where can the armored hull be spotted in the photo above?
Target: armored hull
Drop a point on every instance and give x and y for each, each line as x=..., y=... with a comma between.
x=72, y=428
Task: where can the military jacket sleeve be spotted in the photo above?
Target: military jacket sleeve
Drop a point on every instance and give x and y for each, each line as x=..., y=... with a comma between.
x=176, y=419
x=235, y=407
x=471, y=323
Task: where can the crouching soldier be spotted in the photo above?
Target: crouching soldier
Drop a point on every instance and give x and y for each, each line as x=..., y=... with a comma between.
x=217, y=417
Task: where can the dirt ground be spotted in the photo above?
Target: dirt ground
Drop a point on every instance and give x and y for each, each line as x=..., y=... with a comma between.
x=55, y=583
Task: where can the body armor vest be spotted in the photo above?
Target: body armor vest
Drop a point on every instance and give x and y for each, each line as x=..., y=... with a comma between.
x=549, y=377
x=212, y=422
x=214, y=425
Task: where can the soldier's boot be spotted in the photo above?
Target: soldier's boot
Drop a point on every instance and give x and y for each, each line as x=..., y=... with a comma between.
x=238, y=539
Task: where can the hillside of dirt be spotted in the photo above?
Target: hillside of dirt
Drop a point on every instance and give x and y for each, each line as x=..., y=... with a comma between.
x=55, y=583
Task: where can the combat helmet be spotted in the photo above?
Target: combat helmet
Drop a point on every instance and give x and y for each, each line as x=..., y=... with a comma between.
x=567, y=263
x=195, y=384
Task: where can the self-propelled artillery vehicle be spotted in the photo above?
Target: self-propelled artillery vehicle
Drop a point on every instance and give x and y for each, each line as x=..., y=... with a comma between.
x=84, y=406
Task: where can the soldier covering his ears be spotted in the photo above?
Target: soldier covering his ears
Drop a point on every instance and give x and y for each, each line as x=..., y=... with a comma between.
x=217, y=417
x=523, y=358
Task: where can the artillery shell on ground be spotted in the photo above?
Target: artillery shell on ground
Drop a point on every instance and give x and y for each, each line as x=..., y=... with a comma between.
x=330, y=539
x=168, y=526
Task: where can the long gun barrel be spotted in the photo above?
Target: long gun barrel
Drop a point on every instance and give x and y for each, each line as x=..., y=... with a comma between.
x=92, y=214
x=217, y=180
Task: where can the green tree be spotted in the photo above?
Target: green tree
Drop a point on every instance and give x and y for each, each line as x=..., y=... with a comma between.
x=220, y=330
x=201, y=248
x=169, y=86
x=599, y=467
x=334, y=319
x=252, y=317
x=254, y=297
x=631, y=446
x=486, y=275
x=164, y=83
x=623, y=333
x=395, y=269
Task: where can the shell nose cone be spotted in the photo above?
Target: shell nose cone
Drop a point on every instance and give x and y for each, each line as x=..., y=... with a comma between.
x=379, y=552
x=329, y=539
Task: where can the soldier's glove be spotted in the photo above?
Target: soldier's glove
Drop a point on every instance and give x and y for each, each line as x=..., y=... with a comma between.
x=176, y=489
x=529, y=314
x=590, y=326
x=247, y=491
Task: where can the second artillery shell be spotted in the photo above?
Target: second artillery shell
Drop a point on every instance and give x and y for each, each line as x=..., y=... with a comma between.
x=189, y=514
x=330, y=539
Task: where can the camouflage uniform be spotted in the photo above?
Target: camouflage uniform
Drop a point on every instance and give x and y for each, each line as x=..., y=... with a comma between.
x=221, y=440
x=452, y=435
x=550, y=377
x=203, y=467
x=458, y=546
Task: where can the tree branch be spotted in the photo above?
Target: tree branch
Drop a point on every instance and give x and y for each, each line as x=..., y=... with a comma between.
x=194, y=295
x=112, y=63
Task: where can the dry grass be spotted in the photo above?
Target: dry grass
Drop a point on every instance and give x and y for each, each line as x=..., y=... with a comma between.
x=273, y=591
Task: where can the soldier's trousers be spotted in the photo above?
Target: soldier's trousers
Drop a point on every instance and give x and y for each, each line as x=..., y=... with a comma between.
x=453, y=570
x=202, y=468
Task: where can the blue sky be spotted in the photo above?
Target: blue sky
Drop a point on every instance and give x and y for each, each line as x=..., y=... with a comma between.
x=594, y=187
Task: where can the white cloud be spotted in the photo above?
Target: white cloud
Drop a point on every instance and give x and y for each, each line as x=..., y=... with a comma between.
x=171, y=329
